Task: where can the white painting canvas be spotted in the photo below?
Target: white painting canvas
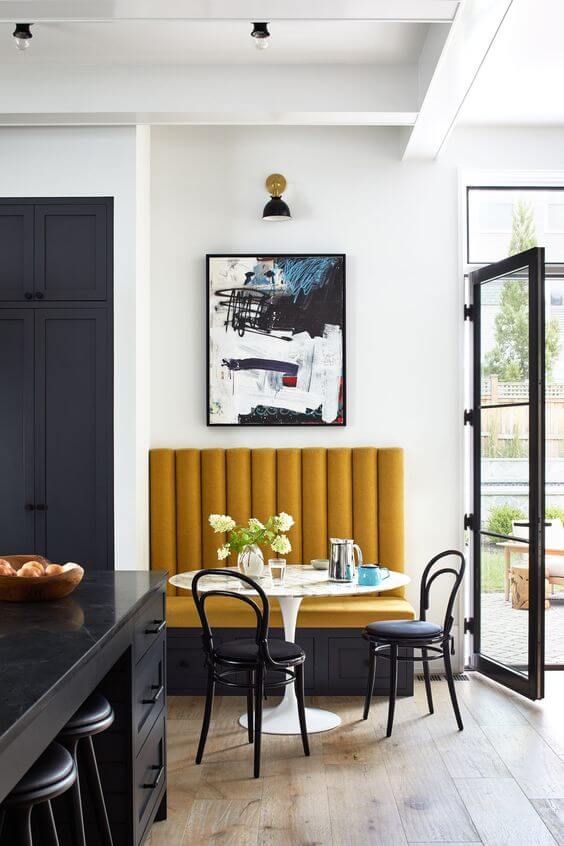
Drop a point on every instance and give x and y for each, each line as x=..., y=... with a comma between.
x=276, y=340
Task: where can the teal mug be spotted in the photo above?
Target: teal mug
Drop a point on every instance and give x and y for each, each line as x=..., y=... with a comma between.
x=371, y=575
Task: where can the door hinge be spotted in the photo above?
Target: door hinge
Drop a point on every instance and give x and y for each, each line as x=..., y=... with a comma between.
x=468, y=416
x=468, y=312
x=469, y=625
x=469, y=521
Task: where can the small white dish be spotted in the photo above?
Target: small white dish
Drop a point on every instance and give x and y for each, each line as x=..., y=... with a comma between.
x=320, y=563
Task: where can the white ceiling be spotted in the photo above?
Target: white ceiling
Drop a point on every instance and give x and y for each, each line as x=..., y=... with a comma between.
x=216, y=42
x=521, y=81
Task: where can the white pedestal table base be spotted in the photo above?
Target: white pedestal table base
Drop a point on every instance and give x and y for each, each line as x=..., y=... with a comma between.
x=283, y=719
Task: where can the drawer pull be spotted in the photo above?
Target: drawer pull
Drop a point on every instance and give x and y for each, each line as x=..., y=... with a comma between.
x=155, y=783
x=156, y=697
x=160, y=624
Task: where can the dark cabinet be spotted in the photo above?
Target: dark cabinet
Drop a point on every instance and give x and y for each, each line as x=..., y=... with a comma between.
x=70, y=251
x=16, y=252
x=58, y=250
x=16, y=431
x=56, y=383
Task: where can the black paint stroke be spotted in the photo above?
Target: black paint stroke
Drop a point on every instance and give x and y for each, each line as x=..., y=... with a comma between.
x=286, y=367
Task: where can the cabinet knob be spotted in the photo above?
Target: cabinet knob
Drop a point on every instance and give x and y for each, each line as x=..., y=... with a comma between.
x=28, y=295
x=41, y=507
x=39, y=295
x=30, y=506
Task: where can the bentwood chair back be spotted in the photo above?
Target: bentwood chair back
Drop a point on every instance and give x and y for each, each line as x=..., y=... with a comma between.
x=251, y=658
x=433, y=641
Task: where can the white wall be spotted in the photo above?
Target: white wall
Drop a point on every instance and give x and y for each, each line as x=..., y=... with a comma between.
x=74, y=162
x=398, y=225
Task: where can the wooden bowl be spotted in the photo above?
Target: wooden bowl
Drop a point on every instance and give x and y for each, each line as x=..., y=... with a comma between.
x=42, y=589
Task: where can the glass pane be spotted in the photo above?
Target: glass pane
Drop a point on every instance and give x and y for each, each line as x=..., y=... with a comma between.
x=504, y=317
x=506, y=221
x=504, y=468
x=504, y=603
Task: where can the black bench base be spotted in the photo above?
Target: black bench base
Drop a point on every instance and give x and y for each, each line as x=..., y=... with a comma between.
x=337, y=662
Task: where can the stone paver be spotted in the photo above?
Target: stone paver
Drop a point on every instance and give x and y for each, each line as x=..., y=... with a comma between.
x=505, y=635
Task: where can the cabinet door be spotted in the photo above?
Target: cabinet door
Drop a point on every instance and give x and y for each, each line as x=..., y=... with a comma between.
x=73, y=436
x=16, y=432
x=71, y=251
x=16, y=252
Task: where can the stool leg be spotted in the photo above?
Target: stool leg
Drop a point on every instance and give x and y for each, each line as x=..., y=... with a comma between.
x=91, y=767
x=393, y=687
x=75, y=800
x=23, y=825
x=450, y=681
x=48, y=823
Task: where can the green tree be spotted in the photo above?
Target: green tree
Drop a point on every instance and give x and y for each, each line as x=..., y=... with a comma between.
x=523, y=232
x=509, y=359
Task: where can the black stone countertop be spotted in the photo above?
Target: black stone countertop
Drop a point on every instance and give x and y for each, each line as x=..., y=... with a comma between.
x=42, y=642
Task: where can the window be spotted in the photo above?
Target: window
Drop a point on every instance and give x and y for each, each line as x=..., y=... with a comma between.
x=494, y=214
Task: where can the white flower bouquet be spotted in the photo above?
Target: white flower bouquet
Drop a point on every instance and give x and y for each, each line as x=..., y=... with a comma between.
x=272, y=532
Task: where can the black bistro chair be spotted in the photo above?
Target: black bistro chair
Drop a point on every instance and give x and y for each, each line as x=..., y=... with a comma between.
x=252, y=657
x=387, y=638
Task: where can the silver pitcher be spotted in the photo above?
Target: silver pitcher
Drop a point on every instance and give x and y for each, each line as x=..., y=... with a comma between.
x=341, y=559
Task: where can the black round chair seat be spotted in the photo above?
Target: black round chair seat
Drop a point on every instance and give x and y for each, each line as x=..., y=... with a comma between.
x=246, y=651
x=52, y=774
x=93, y=716
x=403, y=629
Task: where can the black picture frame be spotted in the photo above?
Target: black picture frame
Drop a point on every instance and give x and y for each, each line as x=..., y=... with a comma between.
x=266, y=256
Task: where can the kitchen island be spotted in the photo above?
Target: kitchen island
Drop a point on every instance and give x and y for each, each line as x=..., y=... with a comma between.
x=109, y=635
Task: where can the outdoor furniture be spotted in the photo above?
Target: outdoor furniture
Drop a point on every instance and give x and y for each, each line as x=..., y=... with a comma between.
x=554, y=552
x=300, y=581
x=519, y=578
x=386, y=638
x=251, y=656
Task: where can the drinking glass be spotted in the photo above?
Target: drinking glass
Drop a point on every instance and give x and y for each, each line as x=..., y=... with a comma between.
x=277, y=567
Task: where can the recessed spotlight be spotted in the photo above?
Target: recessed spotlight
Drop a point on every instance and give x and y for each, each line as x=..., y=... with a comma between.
x=22, y=36
x=261, y=35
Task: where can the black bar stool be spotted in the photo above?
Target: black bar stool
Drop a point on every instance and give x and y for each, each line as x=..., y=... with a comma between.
x=94, y=716
x=53, y=773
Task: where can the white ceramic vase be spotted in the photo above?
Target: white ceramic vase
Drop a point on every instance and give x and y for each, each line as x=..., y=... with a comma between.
x=251, y=561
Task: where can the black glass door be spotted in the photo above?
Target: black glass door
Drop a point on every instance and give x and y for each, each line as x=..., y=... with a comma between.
x=508, y=471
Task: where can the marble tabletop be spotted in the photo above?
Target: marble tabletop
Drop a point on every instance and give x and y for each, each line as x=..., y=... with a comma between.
x=300, y=580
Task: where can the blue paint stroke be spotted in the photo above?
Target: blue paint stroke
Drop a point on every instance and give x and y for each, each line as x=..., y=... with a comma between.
x=303, y=275
x=261, y=364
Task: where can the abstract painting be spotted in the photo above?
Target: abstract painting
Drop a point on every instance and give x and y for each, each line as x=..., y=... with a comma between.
x=276, y=340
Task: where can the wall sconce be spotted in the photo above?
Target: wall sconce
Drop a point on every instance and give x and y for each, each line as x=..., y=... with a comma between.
x=276, y=209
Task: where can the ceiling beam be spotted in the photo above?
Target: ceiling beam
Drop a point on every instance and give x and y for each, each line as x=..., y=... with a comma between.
x=230, y=10
x=469, y=39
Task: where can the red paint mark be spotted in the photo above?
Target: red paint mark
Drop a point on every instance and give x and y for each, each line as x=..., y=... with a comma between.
x=289, y=381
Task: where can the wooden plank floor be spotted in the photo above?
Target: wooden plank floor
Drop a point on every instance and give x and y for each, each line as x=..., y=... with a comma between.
x=499, y=782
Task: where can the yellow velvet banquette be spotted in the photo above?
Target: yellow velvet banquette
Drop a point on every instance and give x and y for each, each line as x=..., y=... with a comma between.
x=336, y=492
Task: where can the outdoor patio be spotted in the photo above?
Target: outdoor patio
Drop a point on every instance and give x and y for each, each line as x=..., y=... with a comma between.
x=504, y=630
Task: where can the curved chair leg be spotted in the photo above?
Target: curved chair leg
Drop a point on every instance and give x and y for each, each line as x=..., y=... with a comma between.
x=371, y=679
x=393, y=688
x=300, y=695
x=250, y=694
x=207, y=716
x=427, y=675
x=451, y=690
x=23, y=824
x=48, y=823
x=259, y=692
x=91, y=767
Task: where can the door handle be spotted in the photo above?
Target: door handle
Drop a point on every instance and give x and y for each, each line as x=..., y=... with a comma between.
x=157, y=780
x=156, y=697
x=41, y=507
x=160, y=624
x=30, y=506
